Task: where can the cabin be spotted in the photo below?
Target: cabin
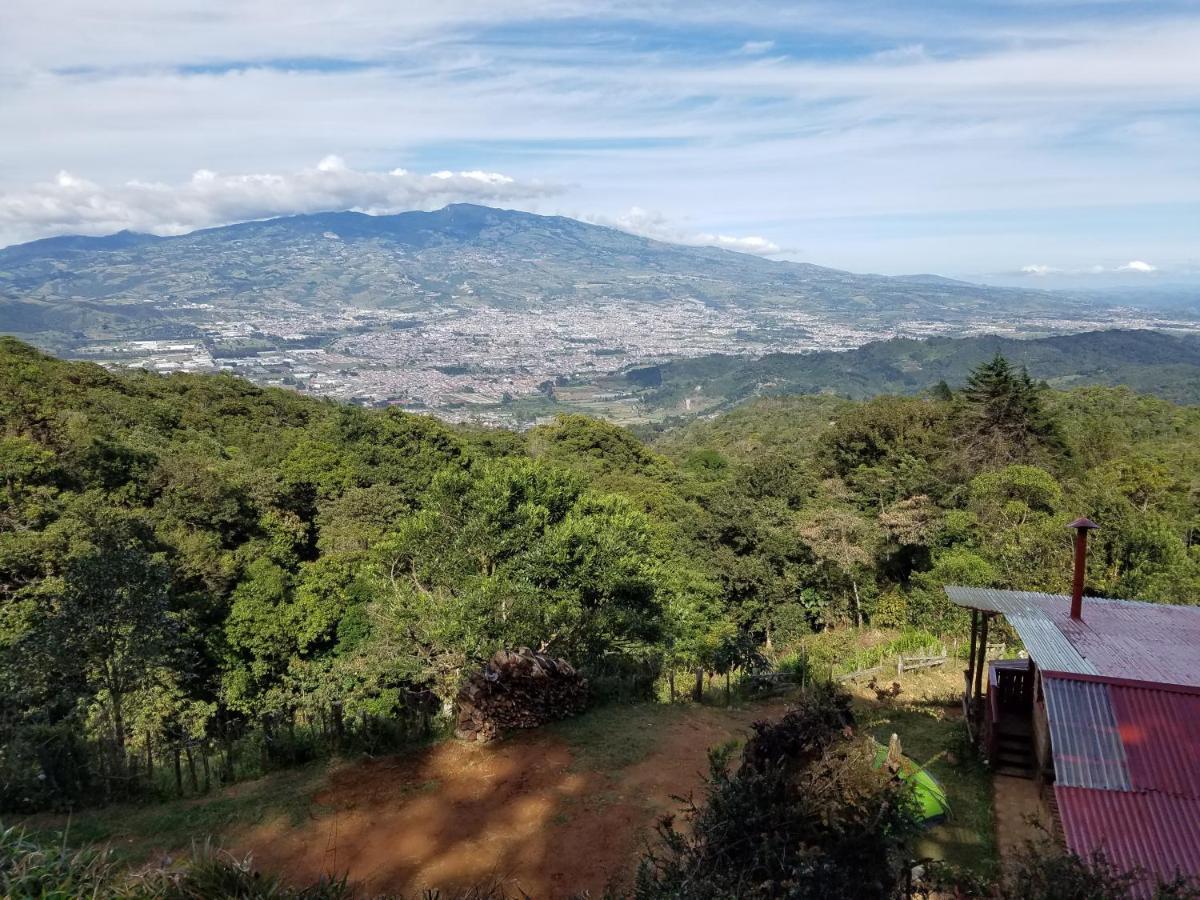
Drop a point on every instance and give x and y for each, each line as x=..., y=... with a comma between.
x=1103, y=711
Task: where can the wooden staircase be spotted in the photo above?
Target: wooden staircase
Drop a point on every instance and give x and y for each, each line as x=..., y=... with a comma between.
x=1012, y=752
x=1010, y=725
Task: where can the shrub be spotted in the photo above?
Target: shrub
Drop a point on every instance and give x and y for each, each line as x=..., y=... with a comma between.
x=805, y=816
x=217, y=873
x=1050, y=875
x=1044, y=872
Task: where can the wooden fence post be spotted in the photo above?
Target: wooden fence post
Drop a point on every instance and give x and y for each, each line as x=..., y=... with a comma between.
x=338, y=724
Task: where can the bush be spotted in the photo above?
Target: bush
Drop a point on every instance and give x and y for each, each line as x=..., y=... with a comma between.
x=806, y=816
x=1040, y=873
x=1043, y=875
x=819, y=718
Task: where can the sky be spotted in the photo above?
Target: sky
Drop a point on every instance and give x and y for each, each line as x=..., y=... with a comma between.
x=1020, y=141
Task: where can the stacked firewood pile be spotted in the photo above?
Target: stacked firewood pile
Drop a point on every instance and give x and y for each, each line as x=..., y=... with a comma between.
x=518, y=689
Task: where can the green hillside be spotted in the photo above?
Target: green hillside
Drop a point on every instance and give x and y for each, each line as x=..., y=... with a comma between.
x=201, y=579
x=1150, y=362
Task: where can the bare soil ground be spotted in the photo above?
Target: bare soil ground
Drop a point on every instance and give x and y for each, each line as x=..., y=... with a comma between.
x=551, y=813
x=1020, y=816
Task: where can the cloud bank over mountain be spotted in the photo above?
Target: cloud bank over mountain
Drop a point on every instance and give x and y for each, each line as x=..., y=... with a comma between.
x=70, y=204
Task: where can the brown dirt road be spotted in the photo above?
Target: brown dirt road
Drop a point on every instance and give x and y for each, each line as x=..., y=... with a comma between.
x=532, y=812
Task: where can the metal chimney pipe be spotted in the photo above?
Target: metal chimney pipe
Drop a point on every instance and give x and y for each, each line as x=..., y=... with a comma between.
x=1082, y=526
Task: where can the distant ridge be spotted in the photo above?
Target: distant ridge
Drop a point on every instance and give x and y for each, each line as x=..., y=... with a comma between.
x=1147, y=361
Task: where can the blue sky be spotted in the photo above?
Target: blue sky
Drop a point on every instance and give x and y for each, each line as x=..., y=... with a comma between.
x=1022, y=141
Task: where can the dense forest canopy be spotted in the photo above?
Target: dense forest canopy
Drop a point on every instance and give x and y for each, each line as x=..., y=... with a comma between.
x=192, y=561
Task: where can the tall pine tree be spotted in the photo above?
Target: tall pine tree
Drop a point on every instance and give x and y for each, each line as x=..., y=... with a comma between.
x=1006, y=418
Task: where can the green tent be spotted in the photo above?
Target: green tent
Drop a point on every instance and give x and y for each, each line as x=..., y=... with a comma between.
x=931, y=796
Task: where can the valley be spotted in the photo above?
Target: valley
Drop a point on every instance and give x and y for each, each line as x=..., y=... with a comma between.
x=483, y=315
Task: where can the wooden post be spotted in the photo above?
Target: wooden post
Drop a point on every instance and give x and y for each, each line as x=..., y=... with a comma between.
x=265, y=760
x=971, y=658
x=338, y=726
x=982, y=658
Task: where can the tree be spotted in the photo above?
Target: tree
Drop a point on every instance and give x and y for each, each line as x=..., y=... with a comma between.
x=890, y=448
x=516, y=552
x=1005, y=414
x=844, y=544
x=1020, y=516
x=105, y=617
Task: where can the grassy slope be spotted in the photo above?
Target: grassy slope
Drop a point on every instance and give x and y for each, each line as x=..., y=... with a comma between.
x=604, y=742
x=137, y=831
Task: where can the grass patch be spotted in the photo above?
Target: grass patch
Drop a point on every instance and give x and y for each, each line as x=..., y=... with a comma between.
x=612, y=737
x=932, y=736
x=138, y=831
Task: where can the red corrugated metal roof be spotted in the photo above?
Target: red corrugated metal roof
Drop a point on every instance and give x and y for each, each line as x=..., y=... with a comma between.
x=1157, y=832
x=1121, y=638
x=1129, y=639
x=1134, y=669
x=1160, y=730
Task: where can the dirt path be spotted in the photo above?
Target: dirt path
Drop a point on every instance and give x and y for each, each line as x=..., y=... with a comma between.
x=1019, y=813
x=532, y=812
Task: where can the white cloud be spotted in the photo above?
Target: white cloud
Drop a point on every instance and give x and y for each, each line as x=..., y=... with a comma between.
x=1040, y=270
x=1011, y=123
x=751, y=243
x=655, y=225
x=909, y=53
x=76, y=206
x=753, y=48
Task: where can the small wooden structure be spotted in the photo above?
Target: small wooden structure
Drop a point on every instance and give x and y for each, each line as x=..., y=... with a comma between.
x=1000, y=702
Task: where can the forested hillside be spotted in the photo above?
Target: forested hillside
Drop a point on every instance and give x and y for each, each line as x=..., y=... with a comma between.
x=1150, y=362
x=194, y=567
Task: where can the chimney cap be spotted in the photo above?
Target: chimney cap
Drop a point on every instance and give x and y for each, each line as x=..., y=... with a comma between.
x=1083, y=522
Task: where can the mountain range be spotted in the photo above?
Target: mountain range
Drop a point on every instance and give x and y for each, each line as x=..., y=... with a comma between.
x=505, y=317
x=461, y=254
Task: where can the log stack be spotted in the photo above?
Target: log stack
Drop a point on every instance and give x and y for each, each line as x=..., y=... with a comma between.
x=518, y=689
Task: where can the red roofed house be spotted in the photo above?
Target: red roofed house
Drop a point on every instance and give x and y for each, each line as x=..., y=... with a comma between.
x=1106, y=709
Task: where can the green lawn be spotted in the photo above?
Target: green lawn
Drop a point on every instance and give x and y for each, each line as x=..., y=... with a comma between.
x=933, y=736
